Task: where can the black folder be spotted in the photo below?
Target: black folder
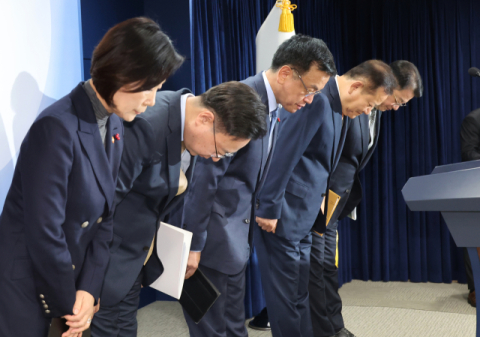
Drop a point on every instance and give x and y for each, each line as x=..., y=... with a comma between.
x=58, y=327
x=198, y=295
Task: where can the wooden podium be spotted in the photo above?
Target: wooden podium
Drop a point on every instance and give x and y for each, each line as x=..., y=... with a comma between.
x=454, y=190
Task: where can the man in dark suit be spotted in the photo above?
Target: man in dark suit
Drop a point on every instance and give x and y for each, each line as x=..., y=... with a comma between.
x=360, y=143
x=222, y=227
x=294, y=192
x=470, y=140
x=156, y=169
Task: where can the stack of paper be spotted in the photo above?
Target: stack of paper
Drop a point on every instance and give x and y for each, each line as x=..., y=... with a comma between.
x=173, y=247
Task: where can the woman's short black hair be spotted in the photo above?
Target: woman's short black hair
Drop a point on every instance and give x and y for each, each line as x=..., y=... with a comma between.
x=133, y=51
x=239, y=110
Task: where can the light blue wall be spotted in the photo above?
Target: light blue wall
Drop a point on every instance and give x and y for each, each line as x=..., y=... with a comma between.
x=41, y=62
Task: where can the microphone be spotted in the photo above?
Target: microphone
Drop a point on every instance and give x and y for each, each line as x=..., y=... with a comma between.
x=474, y=72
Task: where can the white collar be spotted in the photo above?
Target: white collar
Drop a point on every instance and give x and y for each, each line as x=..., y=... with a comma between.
x=272, y=101
x=338, y=88
x=183, y=103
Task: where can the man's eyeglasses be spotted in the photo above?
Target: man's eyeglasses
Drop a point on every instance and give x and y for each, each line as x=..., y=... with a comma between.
x=216, y=155
x=310, y=92
x=397, y=103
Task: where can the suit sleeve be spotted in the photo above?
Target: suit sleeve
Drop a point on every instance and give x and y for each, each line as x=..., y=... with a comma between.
x=295, y=136
x=96, y=259
x=470, y=139
x=138, y=153
x=199, y=201
x=45, y=164
x=98, y=255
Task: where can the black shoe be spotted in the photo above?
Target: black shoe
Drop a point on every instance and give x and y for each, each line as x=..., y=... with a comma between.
x=260, y=322
x=472, y=299
x=344, y=333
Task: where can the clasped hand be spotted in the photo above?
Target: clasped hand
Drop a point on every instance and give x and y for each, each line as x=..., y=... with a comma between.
x=269, y=225
x=83, y=311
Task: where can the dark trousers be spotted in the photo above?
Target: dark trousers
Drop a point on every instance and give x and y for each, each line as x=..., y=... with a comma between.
x=284, y=268
x=119, y=320
x=468, y=270
x=21, y=313
x=226, y=317
x=325, y=302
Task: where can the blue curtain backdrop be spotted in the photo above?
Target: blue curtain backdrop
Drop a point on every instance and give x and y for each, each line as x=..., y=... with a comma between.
x=442, y=37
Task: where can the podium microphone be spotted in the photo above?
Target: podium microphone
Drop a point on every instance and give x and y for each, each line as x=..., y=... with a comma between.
x=474, y=72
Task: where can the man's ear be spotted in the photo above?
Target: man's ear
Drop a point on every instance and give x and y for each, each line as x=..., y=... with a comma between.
x=283, y=73
x=205, y=117
x=357, y=85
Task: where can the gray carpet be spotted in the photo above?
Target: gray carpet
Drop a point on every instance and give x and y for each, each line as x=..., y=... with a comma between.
x=371, y=309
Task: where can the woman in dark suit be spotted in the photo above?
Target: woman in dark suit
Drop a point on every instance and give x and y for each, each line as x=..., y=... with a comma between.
x=56, y=225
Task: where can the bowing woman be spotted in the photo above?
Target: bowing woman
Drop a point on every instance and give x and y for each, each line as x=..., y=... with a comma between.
x=56, y=224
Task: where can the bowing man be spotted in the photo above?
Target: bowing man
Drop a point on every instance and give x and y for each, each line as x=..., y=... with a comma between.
x=362, y=139
x=157, y=166
x=56, y=224
x=294, y=191
x=220, y=210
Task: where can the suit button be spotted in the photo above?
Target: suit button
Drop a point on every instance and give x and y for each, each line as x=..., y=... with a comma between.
x=85, y=224
x=347, y=191
x=323, y=194
x=146, y=249
x=41, y=296
x=45, y=306
x=47, y=311
x=257, y=205
x=246, y=221
x=73, y=266
x=100, y=219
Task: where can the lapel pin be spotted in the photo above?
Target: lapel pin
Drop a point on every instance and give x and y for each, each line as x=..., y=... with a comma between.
x=117, y=136
x=278, y=119
x=113, y=140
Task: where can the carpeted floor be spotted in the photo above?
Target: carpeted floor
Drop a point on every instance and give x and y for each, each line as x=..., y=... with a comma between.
x=370, y=309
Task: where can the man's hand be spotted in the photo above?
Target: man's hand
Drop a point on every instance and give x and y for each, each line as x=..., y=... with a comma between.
x=269, y=225
x=192, y=264
x=83, y=311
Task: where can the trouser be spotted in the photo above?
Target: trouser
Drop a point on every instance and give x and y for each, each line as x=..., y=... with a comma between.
x=284, y=267
x=468, y=270
x=325, y=302
x=226, y=317
x=119, y=320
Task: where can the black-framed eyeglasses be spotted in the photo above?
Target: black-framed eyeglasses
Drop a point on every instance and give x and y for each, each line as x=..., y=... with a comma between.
x=309, y=91
x=216, y=155
x=396, y=102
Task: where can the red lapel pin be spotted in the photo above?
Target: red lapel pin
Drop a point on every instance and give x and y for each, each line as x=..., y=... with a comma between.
x=278, y=119
x=117, y=136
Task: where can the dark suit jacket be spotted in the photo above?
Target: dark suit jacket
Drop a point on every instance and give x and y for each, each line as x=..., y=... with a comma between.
x=219, y=208
x=470, y=136
x=56, y=224
x=305, y=155
x=146, y=190
x=355, y=155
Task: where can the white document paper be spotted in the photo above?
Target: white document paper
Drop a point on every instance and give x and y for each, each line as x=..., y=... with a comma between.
x=173, y=247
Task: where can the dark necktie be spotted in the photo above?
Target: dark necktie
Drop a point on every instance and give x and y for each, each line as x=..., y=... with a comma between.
x=273, y=120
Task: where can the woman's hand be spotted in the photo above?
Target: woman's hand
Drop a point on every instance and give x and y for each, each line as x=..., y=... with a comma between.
x=83, y=311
